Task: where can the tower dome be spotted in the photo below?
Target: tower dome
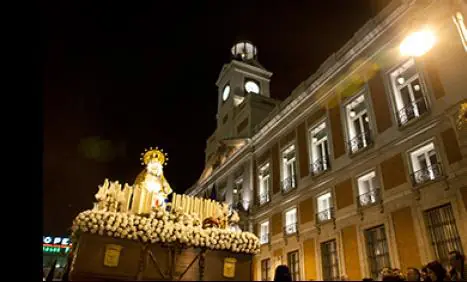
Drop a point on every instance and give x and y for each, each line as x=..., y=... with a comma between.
x=244, y=50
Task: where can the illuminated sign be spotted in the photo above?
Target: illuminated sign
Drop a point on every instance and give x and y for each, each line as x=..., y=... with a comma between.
x=57, y=250
x=56, y=241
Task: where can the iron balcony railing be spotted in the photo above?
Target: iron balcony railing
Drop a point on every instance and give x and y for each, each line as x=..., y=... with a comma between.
x=370, y=198
x=412, y=110
x=288, y=184
x=242, y=205
x=427, y=174
x=263, y=198
x=325, y=215
x=319, y=166
x=360, y=141
x=264, y=238
x=291, y=228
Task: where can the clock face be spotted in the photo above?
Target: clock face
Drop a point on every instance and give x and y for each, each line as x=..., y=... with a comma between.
x=252, y=87
x=226, y=93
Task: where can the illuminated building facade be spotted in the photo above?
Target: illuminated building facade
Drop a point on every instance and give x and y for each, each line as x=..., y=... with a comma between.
x=363, y=166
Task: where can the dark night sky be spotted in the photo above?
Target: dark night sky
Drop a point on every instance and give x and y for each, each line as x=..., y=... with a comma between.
x=123, y=76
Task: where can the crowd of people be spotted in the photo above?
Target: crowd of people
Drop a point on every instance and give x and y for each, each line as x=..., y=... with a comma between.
x=432, y=272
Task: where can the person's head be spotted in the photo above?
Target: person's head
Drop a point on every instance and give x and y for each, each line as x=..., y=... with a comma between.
x=344, y=278
x=396, y=271
x=413, y=274
x=456, y=259
x=436, y=271
x=424, y=274
x=282, y=273
x=386, y=271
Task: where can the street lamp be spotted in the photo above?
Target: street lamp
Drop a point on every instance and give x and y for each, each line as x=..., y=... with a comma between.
x=417, y=43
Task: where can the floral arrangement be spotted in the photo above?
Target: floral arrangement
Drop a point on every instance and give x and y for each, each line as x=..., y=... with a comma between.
x=165, y=227
x=462, y=118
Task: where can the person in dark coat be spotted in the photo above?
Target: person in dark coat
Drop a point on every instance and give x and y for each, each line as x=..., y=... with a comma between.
x=437, y=272
x=282, y=274
x=457, y=271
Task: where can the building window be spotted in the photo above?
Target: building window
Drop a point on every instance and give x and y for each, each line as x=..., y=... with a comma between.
x=368, y=190
x=293, y=261
x=330, y=261
x=442, y=228
x=319, y=150
x=237, y=196
x=289, y=169
x=264, y=232
x=408, y=92
x=425, y=164
x=265, y=269
x=264, y=184
x=377, y=250
x=290, y=221
x=325, y=207
x=358, y=124
x=459, y=21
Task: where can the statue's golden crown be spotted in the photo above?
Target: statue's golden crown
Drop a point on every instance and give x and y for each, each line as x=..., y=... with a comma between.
x=154, y=155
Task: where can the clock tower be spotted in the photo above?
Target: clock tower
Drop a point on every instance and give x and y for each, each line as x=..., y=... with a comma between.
x=243, y=97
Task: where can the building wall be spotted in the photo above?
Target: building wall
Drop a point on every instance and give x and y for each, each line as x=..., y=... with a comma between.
x=402, y=206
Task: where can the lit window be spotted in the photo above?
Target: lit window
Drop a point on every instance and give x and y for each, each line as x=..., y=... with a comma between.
x=330, y=261
x=443, y=232
x=293, y=262
x=377, y=250
x=265, y=269
x=408, y=92
x=358, y=124
x=289, y=169
x=458, y=19
x=368, y=192
x=264, y=232
x=237, y=192
x=425, y=164
x=319, y=150
x=324, y=207
x=264, y=184
x=291, y=221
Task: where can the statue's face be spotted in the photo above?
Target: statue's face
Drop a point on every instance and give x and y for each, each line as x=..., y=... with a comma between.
x=155, y=168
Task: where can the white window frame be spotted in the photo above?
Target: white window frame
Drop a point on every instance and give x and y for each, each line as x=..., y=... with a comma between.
x=324, y=203
x=370, y=193
x=459, y=21
x=314, y=143
x=291, y=221
x=352, y=133
x=264, y=232
x=264, y=183
x=434, y=169
x=289, y=166
x=397, y=96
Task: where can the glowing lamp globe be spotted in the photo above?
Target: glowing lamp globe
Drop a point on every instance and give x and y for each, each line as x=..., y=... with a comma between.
x=418, y=43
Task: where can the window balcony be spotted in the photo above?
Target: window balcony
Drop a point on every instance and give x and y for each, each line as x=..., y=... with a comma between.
x=264, y=238
x=291, y=229
x=325, y=215
x=360, y=142
x=288, y=184
x=370, y=198
x=263, y=199
x=427, y=174
x=412, y=111
x=241, y=205
x=319, y=166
